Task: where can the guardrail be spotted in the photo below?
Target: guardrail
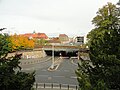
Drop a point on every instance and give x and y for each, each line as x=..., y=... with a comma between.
x=55, y=86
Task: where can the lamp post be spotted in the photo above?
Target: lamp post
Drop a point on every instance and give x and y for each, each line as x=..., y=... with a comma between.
x=52, y=66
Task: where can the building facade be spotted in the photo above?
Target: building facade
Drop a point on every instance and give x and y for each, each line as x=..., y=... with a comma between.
x=63, y=38
x=79, y=40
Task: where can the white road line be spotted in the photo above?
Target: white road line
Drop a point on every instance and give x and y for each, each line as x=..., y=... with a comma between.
x=50, y=76
x=32, y=68
x=42, y=75
x=59, y=76
x=26, y=68
x=74, y=62
x=73, y=77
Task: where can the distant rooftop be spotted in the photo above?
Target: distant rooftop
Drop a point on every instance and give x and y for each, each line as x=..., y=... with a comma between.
x=36, y=35
x=63, y=35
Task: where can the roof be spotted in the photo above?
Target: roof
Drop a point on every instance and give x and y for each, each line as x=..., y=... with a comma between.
x=36, y=35
x=63, y=35
x=42, y=35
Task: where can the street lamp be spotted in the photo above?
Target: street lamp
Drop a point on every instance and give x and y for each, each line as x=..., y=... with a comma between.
x=52, y=66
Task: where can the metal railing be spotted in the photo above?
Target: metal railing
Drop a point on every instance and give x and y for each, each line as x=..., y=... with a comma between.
x=37, y=86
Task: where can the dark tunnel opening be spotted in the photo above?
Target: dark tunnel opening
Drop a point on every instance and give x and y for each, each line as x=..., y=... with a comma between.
x=62, y=53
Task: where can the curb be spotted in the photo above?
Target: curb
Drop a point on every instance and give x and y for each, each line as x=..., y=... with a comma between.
x=55, y=66
x=72, y=60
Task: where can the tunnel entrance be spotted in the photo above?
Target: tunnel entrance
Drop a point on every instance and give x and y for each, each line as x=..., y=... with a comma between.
x=62, y=53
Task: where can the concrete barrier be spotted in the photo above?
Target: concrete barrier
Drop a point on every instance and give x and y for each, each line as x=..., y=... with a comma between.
x=54, y=86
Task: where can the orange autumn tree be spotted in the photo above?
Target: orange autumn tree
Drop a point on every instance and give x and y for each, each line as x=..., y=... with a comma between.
x=21, y=42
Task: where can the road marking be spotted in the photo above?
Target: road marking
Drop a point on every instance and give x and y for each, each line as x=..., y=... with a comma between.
x=42, y=75
x=72, y=61
x=31, y=68
x=74, y=77
x=59, y=76
x=50, y=76
x=26, y=69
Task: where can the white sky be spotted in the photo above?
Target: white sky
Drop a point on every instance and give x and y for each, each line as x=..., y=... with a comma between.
x=53, y=17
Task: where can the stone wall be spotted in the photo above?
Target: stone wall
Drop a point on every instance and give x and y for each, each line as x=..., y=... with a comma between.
x=30, y=54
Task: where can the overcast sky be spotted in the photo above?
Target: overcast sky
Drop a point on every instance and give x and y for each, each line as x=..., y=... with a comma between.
x=71, y=17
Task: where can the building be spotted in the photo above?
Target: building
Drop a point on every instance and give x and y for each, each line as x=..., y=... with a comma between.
x=54, y=42
x=63, y=38
x=79, y=40
x=42, y=36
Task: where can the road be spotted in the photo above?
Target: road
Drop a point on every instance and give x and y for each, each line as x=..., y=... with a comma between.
x=43, y=63
x=65, y=74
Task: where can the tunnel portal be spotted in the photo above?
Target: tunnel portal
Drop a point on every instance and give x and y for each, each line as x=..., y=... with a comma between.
x=62, y=53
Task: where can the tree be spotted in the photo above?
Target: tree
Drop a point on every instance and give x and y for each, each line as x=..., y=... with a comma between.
x=103, y=71
x=11, y=77
x=21, y=42
x=41, y=41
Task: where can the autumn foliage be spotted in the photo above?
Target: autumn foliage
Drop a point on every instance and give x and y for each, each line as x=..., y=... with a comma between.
x=21, y=42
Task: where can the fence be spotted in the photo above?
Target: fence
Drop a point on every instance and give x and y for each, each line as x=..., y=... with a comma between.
x=55, y=86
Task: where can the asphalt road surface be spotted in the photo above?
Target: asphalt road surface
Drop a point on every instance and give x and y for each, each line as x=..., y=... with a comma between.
x=65, y=74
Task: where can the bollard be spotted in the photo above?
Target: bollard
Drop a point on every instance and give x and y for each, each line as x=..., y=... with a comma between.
x=68, y=87
x=76, y=87
x=36, y=86
x=60, y=86
x=52, y=85
x=44, y=85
